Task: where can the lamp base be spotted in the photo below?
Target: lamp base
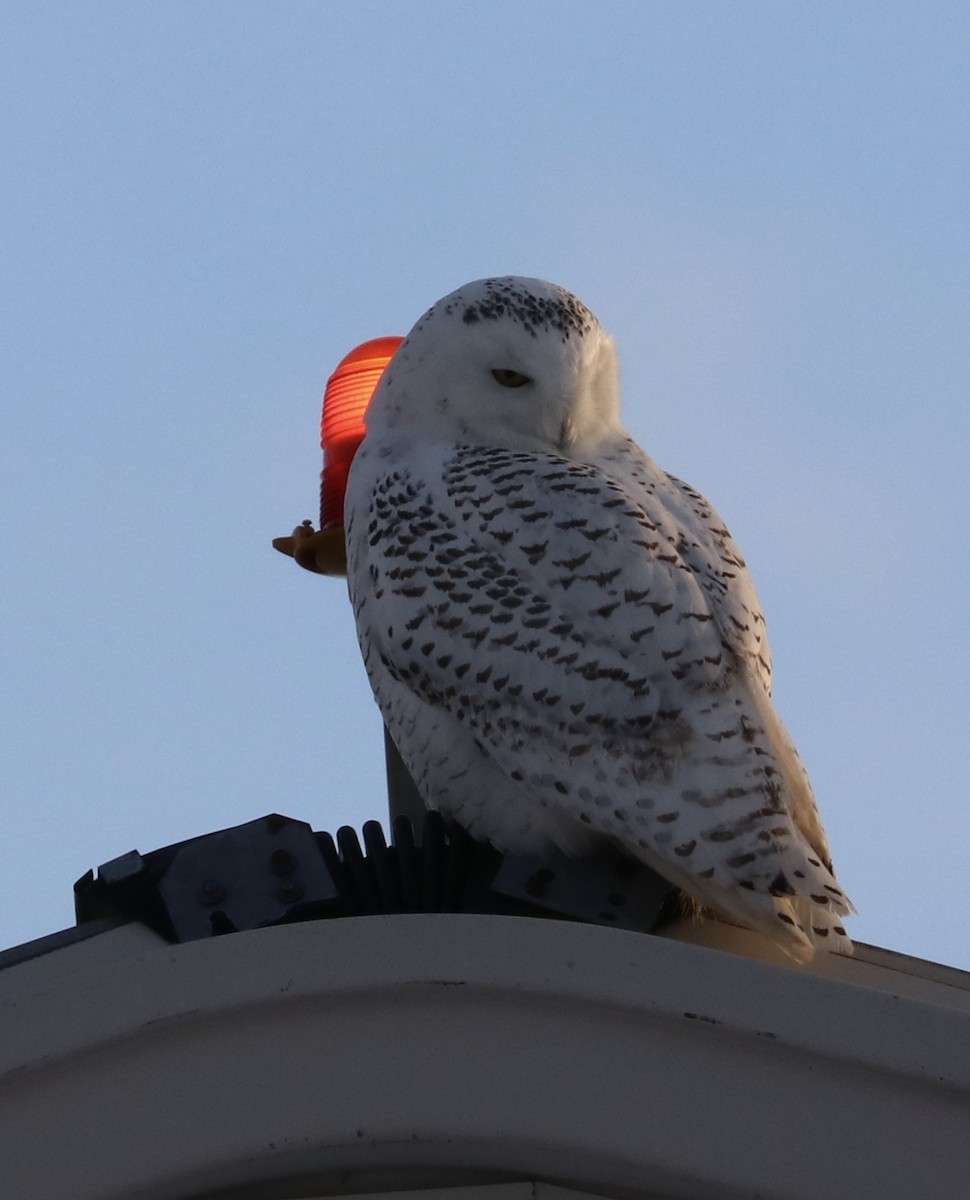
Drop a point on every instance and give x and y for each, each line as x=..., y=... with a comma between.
x=322, y=551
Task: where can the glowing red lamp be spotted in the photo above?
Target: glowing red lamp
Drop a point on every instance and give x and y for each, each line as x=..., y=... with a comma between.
x=345, y=401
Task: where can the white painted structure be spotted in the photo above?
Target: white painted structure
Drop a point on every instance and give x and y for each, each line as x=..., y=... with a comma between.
x=479, y=1058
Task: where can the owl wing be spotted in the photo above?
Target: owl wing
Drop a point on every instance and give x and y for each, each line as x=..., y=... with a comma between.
x=705, y=545
x=559, y=621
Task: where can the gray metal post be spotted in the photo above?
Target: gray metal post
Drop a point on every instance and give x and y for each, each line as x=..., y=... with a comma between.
x=403, y=797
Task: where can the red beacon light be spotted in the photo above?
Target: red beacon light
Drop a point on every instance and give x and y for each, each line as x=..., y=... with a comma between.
x=345, y=401
x=342, y=429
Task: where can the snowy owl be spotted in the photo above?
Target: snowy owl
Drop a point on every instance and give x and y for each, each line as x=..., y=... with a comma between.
x=563, y=639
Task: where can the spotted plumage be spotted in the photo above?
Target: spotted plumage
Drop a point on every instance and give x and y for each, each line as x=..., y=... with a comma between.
x=564, y=640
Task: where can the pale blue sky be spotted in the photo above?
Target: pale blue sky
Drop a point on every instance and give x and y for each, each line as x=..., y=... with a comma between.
x=205, y=205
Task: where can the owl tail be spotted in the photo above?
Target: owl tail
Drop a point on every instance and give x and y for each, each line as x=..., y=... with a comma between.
x=795, y=925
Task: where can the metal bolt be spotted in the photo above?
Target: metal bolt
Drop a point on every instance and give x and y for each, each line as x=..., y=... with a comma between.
x=211, y=892
x=281, y=862
x=291, y=891
x=537, y=883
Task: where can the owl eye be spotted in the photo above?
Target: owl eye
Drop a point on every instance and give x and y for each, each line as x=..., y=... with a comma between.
x=509, y=378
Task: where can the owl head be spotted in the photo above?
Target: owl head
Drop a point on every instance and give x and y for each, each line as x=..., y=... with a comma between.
x=511, y=361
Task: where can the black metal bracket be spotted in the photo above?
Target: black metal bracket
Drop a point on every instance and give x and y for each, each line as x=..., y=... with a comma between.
x=277, y=870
